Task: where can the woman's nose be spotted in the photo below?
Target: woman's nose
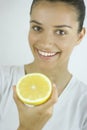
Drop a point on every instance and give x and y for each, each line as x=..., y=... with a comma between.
x=48, y=39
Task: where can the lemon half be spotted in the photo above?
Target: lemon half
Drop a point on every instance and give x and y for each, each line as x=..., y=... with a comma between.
x=34, y=88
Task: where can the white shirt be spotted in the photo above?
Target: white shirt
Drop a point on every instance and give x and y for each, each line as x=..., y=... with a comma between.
x=70, y=111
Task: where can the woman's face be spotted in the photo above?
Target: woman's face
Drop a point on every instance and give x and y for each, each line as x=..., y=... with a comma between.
x=53, y=33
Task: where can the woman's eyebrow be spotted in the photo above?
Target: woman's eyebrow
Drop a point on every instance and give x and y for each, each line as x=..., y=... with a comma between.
x=62, y=26
x=34, y=21
x=56, y=26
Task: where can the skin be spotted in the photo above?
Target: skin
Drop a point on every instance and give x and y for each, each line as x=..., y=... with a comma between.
x=53, y=29
x=55, y=32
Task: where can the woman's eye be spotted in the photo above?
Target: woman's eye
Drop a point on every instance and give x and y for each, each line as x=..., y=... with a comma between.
x=37, y=28
x=60, y=32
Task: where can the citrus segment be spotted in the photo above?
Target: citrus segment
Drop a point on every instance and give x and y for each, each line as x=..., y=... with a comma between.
x=34, y=89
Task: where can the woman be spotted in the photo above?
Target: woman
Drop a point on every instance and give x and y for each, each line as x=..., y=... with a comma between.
x=56, y=27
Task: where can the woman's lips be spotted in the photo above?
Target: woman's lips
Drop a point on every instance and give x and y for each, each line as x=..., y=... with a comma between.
x=46, y=54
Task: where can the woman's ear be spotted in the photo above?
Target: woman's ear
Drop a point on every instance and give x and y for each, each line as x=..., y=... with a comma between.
x=81, y=35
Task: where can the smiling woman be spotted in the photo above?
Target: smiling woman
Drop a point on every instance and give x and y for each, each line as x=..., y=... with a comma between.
x=56, y=28
x=53, y=36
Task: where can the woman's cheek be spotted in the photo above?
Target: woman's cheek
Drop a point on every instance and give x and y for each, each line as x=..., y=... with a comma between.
x=32, y=38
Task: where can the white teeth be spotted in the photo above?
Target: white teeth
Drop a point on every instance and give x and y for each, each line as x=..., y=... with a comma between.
x=46, y=53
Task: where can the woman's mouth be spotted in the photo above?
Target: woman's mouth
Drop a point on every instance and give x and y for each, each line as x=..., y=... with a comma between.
x=46, y=54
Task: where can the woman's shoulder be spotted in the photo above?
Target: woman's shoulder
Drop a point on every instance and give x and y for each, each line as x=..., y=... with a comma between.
x=10, y=69
x=80, y=89
x=9, y=75
x=78, y=83
x=82, y=85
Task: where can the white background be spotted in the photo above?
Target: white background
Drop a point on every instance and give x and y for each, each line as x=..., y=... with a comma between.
x=14, y=48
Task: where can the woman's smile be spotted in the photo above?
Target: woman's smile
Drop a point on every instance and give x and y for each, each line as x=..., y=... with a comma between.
x=52, y=37
x=47, y=55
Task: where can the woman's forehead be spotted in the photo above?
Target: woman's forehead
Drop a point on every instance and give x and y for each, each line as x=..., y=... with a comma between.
x=51, y=4
x=53, y=12
x=52, y=7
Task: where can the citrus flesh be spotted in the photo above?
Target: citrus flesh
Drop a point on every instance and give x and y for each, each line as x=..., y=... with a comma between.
x=34, y=89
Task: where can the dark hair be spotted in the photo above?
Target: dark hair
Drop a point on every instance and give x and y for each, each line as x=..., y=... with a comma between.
x=79, y=5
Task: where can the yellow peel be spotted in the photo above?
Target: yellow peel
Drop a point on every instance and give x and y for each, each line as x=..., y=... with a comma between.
x=34, y=88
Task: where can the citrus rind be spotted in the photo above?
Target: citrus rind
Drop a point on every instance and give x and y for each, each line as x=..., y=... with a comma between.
x=40, y=100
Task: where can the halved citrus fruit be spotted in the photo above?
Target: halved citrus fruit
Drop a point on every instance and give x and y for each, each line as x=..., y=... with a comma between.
x=34, y=88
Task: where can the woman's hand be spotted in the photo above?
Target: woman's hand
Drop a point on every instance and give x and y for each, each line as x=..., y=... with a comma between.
x=34, y=118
